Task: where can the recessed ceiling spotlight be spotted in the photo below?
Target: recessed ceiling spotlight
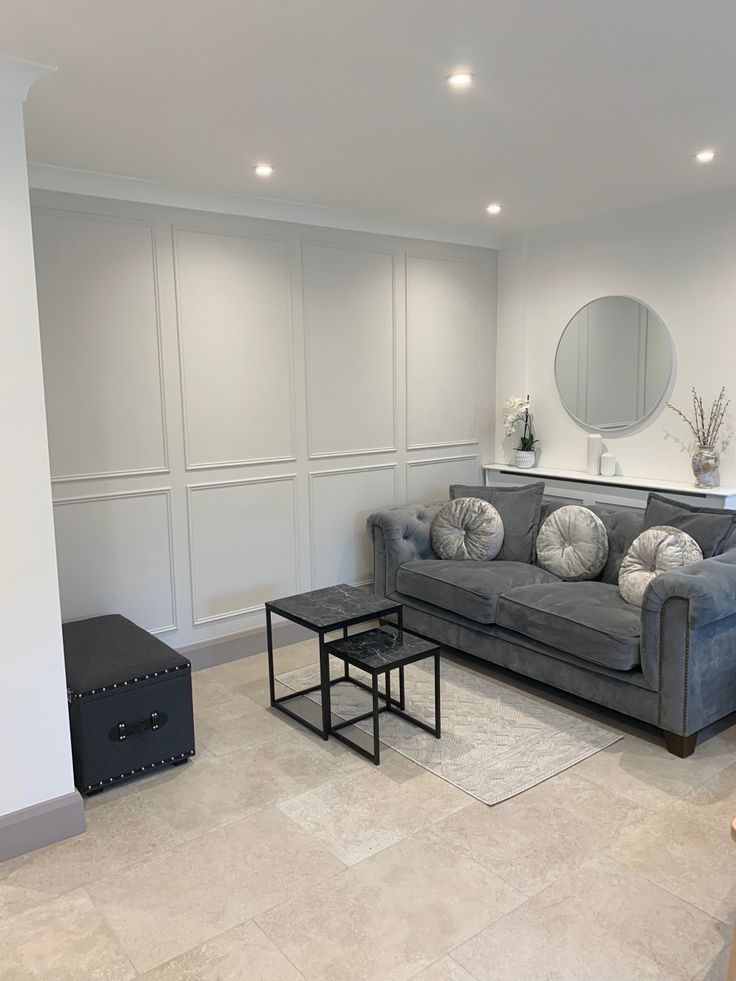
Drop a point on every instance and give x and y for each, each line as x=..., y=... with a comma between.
x=494, y=209
x=705, y=156
x=263, y=170
x=461, y=79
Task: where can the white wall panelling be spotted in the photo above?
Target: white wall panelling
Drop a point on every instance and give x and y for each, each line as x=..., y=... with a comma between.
x=429, y=480
x=115, y=554
x=98, y=301
x=235, y=327
x=350, y=340
x=243, y=545
x=443, y=342
x=284, y=350
x=341, y=500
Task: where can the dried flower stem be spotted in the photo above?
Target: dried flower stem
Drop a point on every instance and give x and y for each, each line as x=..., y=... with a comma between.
x=704, y=432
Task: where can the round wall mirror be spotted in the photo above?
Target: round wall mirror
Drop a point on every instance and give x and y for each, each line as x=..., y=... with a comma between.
x=615, y=364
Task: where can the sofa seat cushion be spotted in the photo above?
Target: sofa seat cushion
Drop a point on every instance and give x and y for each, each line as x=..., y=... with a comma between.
x=469, y=587
x=588, y=619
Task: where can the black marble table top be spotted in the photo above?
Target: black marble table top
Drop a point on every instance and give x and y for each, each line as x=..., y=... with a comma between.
x=333, y=607
x=381, y=649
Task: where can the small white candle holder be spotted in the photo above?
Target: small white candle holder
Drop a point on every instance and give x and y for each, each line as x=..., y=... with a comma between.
x=608, y=465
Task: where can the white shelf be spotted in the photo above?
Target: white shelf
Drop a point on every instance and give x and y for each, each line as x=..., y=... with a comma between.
x=719, y=496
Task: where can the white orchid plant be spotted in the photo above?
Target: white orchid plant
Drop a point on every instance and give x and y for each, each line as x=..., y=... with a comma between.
x=515, y=411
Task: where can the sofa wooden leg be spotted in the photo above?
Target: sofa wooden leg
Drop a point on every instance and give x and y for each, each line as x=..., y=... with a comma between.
x=681, y=746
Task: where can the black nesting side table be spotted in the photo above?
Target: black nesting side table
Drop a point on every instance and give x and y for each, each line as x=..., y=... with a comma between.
x=378, y=652
x=323, y=611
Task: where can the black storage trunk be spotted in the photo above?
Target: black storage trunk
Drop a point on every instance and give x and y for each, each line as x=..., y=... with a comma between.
x=130, y=701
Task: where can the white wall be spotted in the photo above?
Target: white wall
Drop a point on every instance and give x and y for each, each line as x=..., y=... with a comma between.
x=679, y=258
x=229, y=397
x=34, y=728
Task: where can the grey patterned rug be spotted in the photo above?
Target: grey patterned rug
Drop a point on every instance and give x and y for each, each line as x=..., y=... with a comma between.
x=495, y=742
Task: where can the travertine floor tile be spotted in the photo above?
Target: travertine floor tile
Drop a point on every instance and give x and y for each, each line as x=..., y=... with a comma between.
x=65, y=939
x=602, y=923
x=445, y=969
x=716, y=751
x=393, y=764
x=390, y=916
x=218, y=790
x=685, y=853
x=715, y=800
x=208, y=695
x=163, y=907
x=121, y=831
x=717, y=970
x=242, y=726
x=543, y=833
x=646, y=773
x=258, y=691
x=399, y=768
x=365, y=811
x=178, y=862
x=218, y=712
x=242, y=954
x=14, y=899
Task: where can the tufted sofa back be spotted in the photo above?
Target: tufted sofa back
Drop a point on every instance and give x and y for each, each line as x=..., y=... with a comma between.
x=622, y=526
x=400, y=535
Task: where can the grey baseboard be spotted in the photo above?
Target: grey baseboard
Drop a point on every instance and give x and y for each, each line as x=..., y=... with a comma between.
x=207, y=654
x=41, y=824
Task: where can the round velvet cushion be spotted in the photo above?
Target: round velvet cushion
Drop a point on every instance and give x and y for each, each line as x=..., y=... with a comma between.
x=572, y=544
x=655, y=551
x=467, y=528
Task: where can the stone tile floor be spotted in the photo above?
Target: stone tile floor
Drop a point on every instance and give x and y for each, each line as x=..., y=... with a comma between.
x=274, y=855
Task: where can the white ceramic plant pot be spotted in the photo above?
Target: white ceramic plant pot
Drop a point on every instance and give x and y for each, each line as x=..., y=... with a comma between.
x=525, y=459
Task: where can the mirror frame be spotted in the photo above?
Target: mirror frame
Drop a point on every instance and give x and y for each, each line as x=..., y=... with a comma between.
x=616, y=431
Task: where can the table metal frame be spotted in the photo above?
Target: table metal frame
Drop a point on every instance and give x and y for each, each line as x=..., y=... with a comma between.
x=325, y=683
x=390, y=704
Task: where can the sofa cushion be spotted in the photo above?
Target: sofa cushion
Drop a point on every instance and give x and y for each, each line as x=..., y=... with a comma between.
x=467, y=528
x=519, y=509
x=712, y=528
x=622, y=526
x=588, y=619
x=656, y=550
x=573, y=544
x=469, y=587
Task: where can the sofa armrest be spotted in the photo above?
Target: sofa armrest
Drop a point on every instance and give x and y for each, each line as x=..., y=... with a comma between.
x=688, y=643
x=400, y=535
x=708, y=586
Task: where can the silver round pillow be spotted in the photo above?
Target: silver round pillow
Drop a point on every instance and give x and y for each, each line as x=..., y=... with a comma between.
x=655, y=551
x=572, y=544
x=467, y=528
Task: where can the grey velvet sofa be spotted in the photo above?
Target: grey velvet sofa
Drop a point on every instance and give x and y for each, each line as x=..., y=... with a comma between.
x=671, y=664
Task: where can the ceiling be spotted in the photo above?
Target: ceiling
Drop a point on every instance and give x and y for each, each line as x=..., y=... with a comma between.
x=580, y=107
